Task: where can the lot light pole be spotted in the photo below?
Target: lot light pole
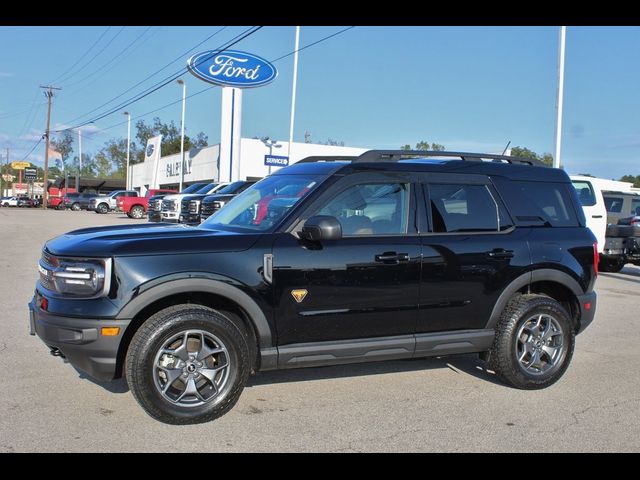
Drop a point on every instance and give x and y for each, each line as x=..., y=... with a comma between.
x=126, y=182
x=184, y=101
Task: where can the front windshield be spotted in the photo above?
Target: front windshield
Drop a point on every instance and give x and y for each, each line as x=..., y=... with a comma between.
x=262, y=206
x=206, y=188
x=231, y=188
x=193, y=188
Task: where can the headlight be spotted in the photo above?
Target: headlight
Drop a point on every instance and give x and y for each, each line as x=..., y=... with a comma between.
x=218, y=205
x=194, y=206
x=80, y=277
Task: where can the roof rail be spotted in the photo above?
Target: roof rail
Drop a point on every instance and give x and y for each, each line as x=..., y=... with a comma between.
x=328, y=158
x=373, y=156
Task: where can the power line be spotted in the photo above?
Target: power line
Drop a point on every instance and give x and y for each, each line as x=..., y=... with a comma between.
x=148, y=77
x=314, y=43
x=165, y=81
x=83, y=55
x=110, y=61
x=96, y=55
x=215, y=86
x=33, y=148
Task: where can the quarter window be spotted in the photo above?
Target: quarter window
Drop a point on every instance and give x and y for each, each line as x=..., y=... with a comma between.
x=614, y=204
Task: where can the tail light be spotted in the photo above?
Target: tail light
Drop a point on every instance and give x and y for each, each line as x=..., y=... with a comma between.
x=635, y=221
x=596, y=258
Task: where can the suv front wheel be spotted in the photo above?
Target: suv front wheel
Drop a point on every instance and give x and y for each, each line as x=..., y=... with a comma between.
x=187, y=364
x=534, y=342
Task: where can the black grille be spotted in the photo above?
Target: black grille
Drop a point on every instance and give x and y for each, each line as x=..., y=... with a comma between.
x=168, y=205
x=47, y=259
x=206, y=210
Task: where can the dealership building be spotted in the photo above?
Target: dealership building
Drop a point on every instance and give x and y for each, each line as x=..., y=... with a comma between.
x=256, y=160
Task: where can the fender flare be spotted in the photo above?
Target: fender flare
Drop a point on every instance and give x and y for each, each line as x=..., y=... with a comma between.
x=207, y=285
x=543, y=274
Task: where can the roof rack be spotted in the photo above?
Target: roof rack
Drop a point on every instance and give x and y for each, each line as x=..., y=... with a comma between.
x=377, y=156
x=321, y=158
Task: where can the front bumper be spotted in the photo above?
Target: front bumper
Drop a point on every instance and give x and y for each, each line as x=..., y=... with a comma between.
x=587, y=303
x=79, y=340
x=154, y=216
x=171, y=217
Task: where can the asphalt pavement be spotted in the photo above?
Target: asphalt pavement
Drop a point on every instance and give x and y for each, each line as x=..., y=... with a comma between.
x=444, y=404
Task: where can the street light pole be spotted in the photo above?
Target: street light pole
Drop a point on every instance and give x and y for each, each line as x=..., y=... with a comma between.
x=184, y=101
x=556, y=158
x=79, y=160
x=126, y=182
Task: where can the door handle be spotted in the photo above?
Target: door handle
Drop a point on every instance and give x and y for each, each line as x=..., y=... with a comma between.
x=500, y=254
x=596, y=216
x=392, y=257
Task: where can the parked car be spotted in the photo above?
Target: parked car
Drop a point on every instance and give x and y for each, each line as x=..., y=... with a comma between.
x=25, y=202
x=186, y=215
x=212, y=203
x=107, y=203
x=620, y=205
x=171, y=204
x=10, y=202
x=154, y=207
x=78, y=201
x=136, y=207
x=382, y=257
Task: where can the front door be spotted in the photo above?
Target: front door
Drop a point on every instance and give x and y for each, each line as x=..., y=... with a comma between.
x=363, y=285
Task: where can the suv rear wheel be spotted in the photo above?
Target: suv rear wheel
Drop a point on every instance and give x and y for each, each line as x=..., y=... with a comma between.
x=534, y=342
x=102, y=208
x=187, y=364
x=75, y=207
x=613, y=265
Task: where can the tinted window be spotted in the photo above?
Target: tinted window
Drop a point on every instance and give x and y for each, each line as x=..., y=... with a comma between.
x=613, y=204
x=635, y=206
x=371, y=209
x=538, y=203
x=234, y=187
x=193, y=188
x=465, y=208
x=585, y=193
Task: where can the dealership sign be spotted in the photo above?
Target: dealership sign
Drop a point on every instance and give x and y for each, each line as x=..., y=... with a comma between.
x=232, y=68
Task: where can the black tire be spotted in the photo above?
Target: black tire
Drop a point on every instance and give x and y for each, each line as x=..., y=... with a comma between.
x=613, y=265
x=75, y=207
x=61, y=207
x=161, y=328
x=102, y=208
x=137, y=212
x=504, y=354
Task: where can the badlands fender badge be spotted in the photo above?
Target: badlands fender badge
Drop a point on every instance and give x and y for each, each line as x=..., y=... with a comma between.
x=299, y=294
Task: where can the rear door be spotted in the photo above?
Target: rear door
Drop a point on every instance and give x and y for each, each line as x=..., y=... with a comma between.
x=471, y=253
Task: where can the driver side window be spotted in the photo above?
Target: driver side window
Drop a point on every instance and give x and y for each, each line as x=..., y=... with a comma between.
x=371, y=209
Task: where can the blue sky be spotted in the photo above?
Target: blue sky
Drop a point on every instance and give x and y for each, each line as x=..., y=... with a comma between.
x=469, y=88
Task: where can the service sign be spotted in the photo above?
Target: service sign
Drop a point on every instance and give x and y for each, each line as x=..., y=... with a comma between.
x=232, y=68
x=276, y=161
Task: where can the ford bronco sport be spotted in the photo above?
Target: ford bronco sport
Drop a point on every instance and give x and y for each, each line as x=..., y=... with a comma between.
x=388, y=255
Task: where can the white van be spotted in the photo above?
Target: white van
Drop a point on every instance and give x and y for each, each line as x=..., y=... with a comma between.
x=589, y=190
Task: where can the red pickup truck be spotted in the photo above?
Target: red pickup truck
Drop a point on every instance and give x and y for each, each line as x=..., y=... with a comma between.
x=136, y=207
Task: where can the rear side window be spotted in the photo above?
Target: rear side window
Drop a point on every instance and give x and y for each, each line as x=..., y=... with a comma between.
x=465, y=208
x=538, y=203
x=585, y=193
x=613, y=204
x=635, y=206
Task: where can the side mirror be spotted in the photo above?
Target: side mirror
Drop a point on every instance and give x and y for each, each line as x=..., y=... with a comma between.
x=321, y=227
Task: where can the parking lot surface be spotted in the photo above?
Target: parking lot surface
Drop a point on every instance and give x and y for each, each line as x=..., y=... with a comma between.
x=426, y=405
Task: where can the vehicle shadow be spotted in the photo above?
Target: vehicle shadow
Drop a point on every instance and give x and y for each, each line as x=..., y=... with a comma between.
x=114, y=386
x=468, y=364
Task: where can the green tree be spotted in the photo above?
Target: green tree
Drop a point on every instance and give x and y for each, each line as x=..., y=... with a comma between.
x=524, y=152
x=170, y=138
x=631, y=178
x=424, y=145
x=335, y=143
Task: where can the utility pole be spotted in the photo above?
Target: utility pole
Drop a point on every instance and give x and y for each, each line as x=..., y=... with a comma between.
x=49, y=94
x=559, y=100
x=1, y=193
x=79, y=176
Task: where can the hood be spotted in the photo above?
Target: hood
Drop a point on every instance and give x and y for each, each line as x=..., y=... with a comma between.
x=218, y=198
x=147, y=239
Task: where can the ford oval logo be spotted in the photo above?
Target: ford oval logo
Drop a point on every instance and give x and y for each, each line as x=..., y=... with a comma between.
x=150, y=149
x=232, y=68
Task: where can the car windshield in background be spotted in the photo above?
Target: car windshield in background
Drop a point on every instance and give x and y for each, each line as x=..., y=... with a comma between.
x=206, y=188
x=193, y=188
x=262, y=206
x=231, y=188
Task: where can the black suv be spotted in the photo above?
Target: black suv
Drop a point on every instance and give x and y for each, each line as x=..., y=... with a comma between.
x=329, y=261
